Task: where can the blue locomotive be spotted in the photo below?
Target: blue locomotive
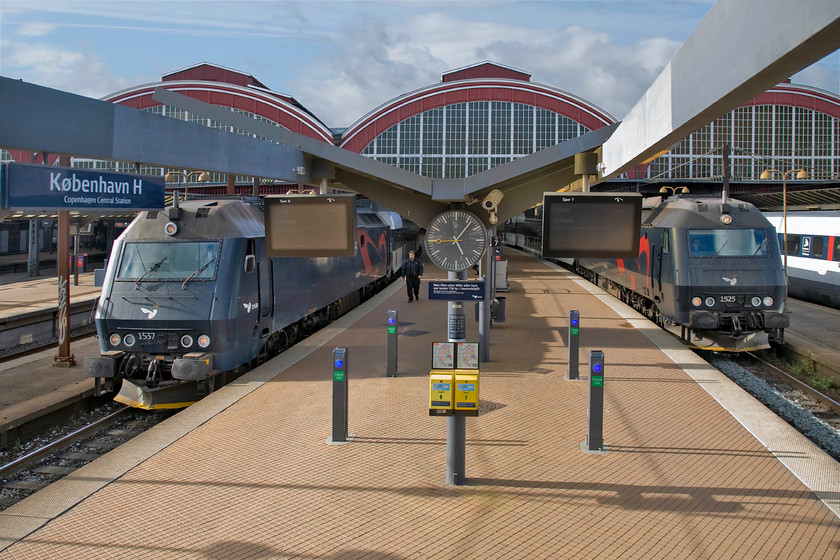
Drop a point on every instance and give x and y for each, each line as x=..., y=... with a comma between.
x=189, y=296
x=709, y=270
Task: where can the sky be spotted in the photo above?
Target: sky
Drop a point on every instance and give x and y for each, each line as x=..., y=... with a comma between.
x=342, y=59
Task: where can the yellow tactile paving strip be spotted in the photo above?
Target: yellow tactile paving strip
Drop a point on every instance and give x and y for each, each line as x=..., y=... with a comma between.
x=253, y=477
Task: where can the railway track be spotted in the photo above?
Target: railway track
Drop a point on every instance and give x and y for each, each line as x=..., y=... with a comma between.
x=823, y=405
x=49, y=458
x=811, y=412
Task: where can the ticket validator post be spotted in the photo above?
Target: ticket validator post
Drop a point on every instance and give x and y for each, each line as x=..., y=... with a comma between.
x=574, y=345
x=339, y=412
x=594, y=442
x=391, y=358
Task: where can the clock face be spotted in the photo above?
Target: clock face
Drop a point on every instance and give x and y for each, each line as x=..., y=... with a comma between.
x=455, y=240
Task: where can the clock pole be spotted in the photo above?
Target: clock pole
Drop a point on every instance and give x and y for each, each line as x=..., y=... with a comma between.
x=455, y=240
x=456, y=426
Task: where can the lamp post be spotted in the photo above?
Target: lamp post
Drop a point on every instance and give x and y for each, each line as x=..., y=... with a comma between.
x=172, y=176
x=801, y=174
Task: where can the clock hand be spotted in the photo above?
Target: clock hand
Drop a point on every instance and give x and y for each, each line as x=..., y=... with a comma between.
x=462, y=231
x=439, y=241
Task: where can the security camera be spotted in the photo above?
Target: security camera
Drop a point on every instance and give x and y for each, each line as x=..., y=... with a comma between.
x=492, y=200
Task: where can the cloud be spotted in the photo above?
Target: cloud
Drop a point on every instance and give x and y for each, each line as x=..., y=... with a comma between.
x=368, y=66
x=77, y=72
x=823, y=74
x=36, y=29
x=374, y=57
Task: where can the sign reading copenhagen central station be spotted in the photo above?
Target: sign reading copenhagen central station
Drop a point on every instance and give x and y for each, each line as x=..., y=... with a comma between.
x=45, y=187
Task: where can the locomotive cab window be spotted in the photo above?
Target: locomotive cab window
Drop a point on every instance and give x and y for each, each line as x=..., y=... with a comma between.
x=727, y=243
x=250, y=256
x=193, y=260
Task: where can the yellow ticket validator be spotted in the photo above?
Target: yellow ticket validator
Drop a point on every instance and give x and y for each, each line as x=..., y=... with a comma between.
x=441, y=387
x=466, y=392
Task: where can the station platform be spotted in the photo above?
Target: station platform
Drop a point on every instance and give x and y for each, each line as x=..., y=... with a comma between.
x=15, y=266
x=27, y=295
x=694, y=467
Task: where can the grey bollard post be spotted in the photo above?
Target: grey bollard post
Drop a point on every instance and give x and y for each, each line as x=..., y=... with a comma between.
x=391, y=352
x=339, y=405
x=595, y=432
x=574, y=345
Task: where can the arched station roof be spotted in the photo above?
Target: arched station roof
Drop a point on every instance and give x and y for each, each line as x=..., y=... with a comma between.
x=802, y=96
x=485, y=81
x=228, y=88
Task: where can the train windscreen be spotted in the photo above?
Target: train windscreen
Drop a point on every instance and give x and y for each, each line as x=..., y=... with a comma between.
x=180, y=260
x=727, y=243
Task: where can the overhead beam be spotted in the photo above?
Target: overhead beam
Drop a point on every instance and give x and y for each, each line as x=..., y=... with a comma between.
x=417, y=207
x=521, y=196
x=42, y=119
x=416, y=197
x=739, y=50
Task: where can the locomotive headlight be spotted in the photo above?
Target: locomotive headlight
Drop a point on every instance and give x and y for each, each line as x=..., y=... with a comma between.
x=186, y=341
x=129, y=340
x=115, y=339
x=768, y=301
x=710, y=302
x=171, y=228
x=756, y=301
x=725, y=219
x=204, y=341
x=696, y=301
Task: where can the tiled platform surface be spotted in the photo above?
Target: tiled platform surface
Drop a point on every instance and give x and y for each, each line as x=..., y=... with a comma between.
x=246, y=472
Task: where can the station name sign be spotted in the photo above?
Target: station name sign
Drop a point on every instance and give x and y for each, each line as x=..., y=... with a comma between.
x=45, y=187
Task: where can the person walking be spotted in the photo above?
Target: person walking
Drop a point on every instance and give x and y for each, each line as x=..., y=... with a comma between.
x=412, y=272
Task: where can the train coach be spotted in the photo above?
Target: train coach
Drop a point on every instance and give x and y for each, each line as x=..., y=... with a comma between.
x=190, y=297
x=709, y=270
x=813, y=254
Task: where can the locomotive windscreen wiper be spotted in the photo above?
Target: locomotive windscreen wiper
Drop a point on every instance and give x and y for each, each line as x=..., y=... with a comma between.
x=197, y=271
x=717, y=253
x=149, y=271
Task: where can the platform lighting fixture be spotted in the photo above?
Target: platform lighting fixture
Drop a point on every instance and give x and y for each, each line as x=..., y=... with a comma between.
x=674, y=190
x=800, y=174
x=172, y=177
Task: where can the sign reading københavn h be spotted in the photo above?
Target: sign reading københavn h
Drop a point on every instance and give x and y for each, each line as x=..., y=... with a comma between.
x=44, y=187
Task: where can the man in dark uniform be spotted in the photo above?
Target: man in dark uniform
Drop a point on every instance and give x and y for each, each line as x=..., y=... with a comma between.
x=412, y=272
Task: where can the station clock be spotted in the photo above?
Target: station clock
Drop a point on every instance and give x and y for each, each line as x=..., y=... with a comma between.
x=455, y=240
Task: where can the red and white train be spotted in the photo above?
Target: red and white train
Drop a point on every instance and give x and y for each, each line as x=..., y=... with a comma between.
x=813, y=254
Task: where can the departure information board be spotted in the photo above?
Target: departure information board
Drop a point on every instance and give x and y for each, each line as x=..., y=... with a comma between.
x=591, y=225
x=309, y=225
